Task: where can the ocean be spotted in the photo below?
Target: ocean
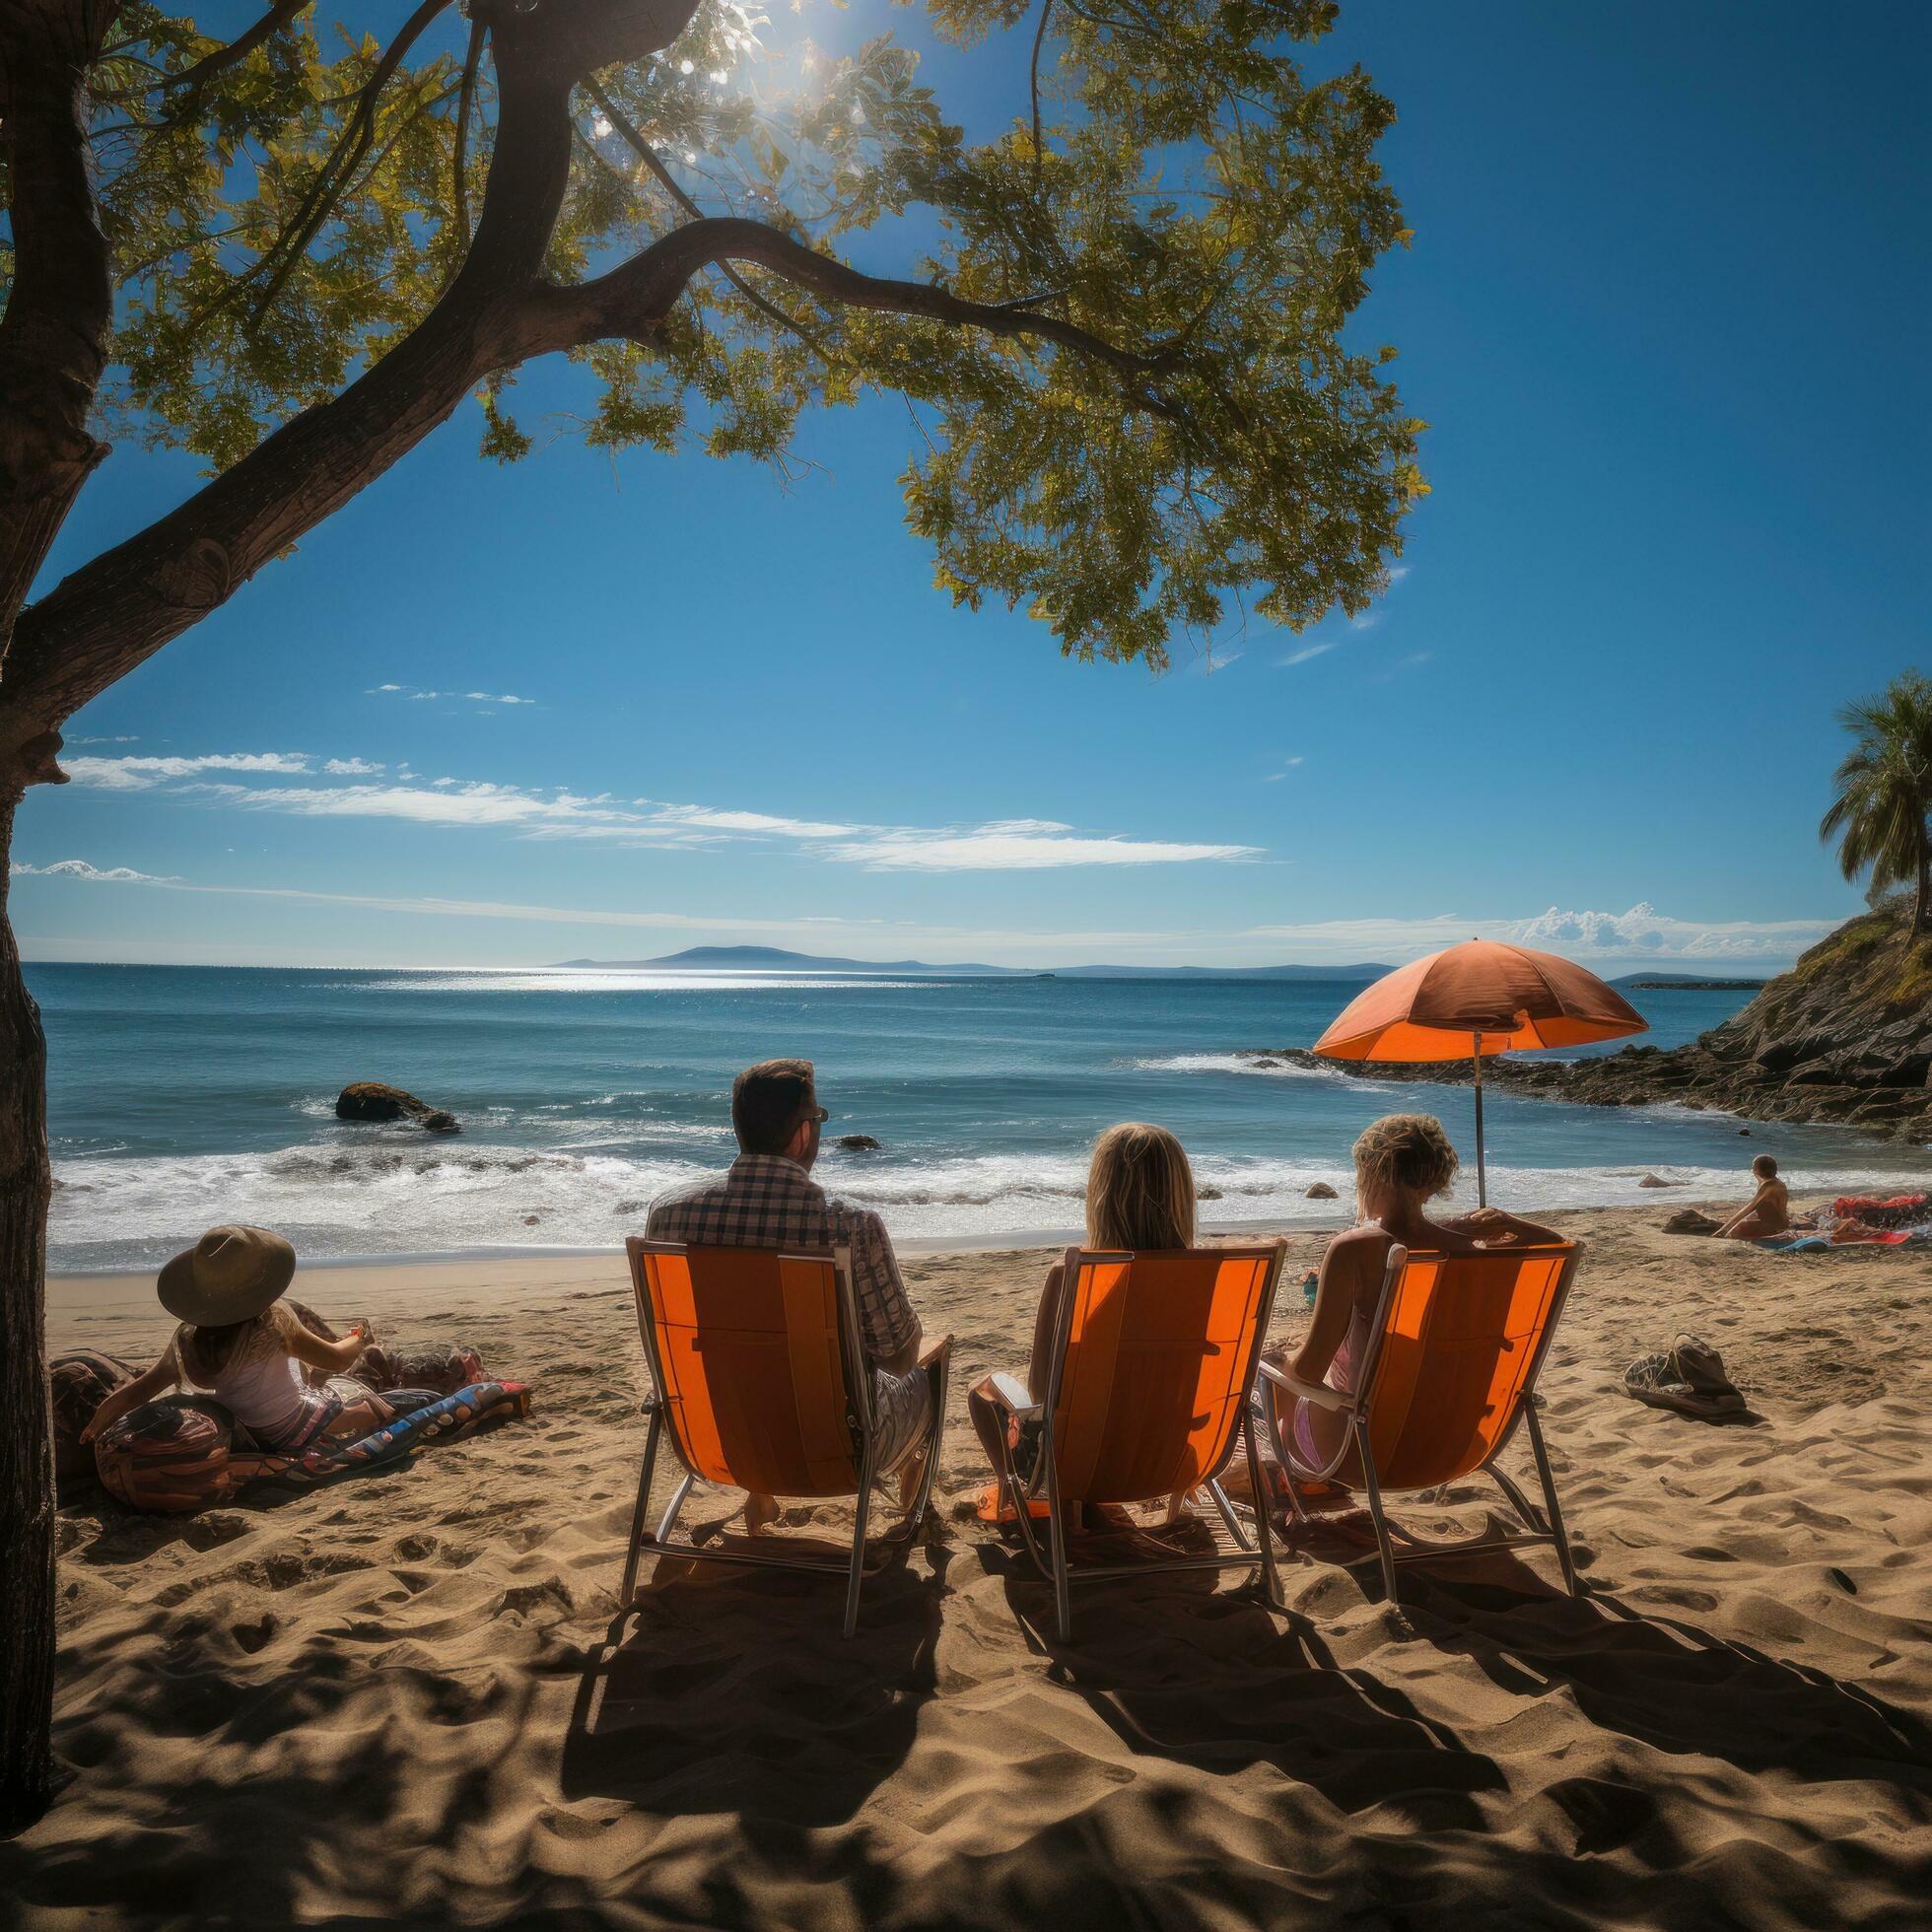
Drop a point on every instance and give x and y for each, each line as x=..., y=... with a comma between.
x=183, y=1097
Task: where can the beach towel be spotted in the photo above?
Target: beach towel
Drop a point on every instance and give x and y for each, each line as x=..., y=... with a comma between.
x=185, y=1452
x=442, y=1419
x=1893, y=1211
x=1688, y=1378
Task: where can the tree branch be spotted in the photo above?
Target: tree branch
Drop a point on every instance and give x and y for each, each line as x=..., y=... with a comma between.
x=648, y=156
x=115, y=612
x=54, y=334
x=343, y=160
x=1039, y=40
x=631, y=301
x=460, y=184
x=279, y=16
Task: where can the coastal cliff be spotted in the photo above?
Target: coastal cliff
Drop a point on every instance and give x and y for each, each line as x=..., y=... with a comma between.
x=1844, y=1037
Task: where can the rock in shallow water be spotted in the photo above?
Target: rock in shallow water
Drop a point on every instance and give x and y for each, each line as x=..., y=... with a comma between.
x=857, y=1143
x=372, y=1100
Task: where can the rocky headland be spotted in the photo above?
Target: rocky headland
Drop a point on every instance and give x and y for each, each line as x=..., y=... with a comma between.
x=1845, y=1037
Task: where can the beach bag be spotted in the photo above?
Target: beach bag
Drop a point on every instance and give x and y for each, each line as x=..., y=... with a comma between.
x=77, y=1385
x=171, y=1457
x=442, y=1366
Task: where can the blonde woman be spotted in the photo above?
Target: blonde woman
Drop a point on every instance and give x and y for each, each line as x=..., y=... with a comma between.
x=1139, y=1197
x=1402, y=1161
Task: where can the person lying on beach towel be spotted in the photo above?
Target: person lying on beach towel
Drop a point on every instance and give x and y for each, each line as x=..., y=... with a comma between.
x=1768, y=1211
x=237, y=1342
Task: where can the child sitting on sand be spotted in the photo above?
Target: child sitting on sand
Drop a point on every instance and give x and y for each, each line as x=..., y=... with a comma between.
x=1770, y=1211
x=238, y=1342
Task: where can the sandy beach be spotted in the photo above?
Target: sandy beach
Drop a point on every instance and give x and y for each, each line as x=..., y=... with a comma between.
x=391, y=1700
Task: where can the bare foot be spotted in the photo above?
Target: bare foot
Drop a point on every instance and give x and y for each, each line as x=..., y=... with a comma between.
x=760, y=1513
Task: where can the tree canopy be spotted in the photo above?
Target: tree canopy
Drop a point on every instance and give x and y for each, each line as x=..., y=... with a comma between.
x=1881, y=792
x=1116, y=323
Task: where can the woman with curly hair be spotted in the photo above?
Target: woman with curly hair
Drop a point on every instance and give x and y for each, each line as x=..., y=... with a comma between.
x=1402, y=1161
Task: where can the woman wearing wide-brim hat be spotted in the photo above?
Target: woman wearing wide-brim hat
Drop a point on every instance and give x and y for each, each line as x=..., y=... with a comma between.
x=240, y=1342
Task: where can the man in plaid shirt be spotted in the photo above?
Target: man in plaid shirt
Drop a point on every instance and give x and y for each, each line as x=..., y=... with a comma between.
x=769, y=1200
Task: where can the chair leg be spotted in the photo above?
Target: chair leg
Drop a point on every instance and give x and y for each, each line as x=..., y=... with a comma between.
x=1271, y=1576
x=1063, y=1585
x=668, y=1522
x=1375, y=1509
x=636, y=1551
x=858, y=1577
x=931, y=1468
x=1557, y=1530
x=1219, y=1496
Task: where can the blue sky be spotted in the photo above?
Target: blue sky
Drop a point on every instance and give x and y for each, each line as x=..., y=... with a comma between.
x=1663, y=314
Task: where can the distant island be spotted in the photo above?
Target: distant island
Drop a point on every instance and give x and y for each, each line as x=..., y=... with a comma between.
x=769, y=959
x=1687, y=983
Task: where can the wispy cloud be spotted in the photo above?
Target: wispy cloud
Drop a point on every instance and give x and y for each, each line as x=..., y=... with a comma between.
x=1367, y=621
x=1001, y=844
x=124, y=739
x=141, y=774
x=1307, y=651
x=1288, y=766
x=79, y=868
x=465, y=697
x=1019, y=846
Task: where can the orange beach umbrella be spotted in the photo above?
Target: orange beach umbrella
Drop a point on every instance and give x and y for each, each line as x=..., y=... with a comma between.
x=1480, y=998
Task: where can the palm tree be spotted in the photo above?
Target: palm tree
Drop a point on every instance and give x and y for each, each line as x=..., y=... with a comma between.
x=1884, y=791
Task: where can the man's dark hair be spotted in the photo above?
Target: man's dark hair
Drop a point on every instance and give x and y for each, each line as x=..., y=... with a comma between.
x=767, y=1101
x=1765, y=1167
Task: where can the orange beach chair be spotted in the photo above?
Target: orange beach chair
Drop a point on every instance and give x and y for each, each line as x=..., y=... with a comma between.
x=1450, y=1370
x=759, y=1382
x=1146, y=1396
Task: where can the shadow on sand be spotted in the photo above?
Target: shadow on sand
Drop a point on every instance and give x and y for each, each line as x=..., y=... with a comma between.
x=812, y=1722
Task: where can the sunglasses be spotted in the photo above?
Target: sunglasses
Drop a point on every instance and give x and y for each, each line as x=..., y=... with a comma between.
x=817, y=1116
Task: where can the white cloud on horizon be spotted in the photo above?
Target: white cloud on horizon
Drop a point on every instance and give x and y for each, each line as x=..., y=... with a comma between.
x=351, y=768
x=1641, y=932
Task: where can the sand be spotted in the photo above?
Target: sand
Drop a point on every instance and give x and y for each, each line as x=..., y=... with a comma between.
x=391, y=1700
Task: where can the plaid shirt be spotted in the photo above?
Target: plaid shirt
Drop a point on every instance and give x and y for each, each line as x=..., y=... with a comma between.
x=769, y=1201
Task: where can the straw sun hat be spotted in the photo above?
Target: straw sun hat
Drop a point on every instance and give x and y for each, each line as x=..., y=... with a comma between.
x=230, y=1274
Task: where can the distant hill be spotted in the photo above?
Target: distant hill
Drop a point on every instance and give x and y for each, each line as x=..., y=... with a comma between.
x=769, y=959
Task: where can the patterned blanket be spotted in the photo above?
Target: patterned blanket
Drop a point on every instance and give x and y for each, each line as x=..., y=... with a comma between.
x=185, y=1452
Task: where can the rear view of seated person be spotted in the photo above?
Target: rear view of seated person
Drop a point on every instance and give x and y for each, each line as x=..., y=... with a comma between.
x=241, y=1343
x=1770, y=1212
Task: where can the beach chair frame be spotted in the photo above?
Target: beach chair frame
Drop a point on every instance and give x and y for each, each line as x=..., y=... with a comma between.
x=861, y=1417
x=1015, y=1404
x=1358, y=1411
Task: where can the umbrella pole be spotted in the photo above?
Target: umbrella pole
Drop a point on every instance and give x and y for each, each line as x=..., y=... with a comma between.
x=1482, y=1176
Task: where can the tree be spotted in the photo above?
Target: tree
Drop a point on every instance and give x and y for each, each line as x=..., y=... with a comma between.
x=1884, y=794
x=1116, y=332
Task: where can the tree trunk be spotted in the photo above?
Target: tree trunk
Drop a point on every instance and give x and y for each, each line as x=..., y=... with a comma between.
x=27, y=1484
x=1922, y=898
